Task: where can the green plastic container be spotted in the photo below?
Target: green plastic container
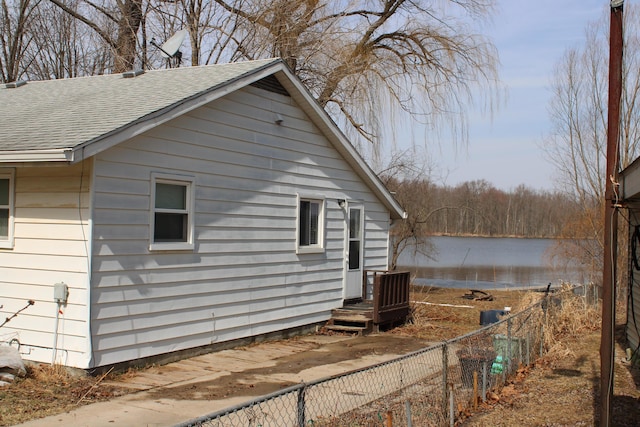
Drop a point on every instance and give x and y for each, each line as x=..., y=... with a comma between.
x=498, y=366
x=501, y=346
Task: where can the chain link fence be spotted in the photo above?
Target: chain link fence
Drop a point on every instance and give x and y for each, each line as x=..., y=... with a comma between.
x=429, y=387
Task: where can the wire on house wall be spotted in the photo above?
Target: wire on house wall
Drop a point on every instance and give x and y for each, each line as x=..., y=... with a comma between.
x=634, y=274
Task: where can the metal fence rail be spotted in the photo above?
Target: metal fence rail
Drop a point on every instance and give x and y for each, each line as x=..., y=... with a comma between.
x=424, y=388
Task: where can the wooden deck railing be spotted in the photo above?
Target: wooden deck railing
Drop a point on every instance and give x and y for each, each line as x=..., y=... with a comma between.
x=390, y=296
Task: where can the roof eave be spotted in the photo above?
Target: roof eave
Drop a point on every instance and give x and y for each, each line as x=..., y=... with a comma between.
x=37, y=156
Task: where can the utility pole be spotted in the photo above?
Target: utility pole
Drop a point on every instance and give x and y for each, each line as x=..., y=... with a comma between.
x=611, y=214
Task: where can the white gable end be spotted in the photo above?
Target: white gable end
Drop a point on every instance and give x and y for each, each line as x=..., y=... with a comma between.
x=243, y=276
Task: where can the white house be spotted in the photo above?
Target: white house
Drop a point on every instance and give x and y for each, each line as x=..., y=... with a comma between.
x=630, y=192
x=179, y=208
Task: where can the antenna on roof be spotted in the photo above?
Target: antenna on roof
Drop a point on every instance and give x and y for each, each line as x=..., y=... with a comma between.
x=170, y=49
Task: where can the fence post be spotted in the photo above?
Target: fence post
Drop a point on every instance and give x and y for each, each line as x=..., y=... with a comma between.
x=545, y=303
x=484, y=381
x=301, y=405
x=445, y=381
x=509, y=350
x=452, y=415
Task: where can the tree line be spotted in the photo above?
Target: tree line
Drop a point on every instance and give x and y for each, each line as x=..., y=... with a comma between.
x=481, y=209
x=478, y=208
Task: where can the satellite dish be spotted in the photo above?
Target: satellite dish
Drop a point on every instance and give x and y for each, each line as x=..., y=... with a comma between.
x=170, y=49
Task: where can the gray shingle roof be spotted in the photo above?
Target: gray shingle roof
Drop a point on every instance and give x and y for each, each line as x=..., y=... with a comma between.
x=59, y=114
x=54, y=120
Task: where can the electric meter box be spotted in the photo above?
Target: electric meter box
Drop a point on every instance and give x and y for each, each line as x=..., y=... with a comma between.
x=60, y=292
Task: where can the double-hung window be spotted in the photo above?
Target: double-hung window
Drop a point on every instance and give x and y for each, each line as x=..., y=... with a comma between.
x=6, y=208
x=310, y=224
x=172, y=212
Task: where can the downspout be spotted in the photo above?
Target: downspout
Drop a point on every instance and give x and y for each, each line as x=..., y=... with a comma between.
x=611, y=213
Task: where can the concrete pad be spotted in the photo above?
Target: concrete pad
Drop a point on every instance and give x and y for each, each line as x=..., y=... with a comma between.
x=144, y=408
x=325, y=339
x=139, y=412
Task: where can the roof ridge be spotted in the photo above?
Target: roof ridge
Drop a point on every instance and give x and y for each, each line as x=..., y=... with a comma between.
x=225, y=64
x=157, y=70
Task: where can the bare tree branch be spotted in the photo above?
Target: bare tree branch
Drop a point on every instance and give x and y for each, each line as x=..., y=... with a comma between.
x=105, y=36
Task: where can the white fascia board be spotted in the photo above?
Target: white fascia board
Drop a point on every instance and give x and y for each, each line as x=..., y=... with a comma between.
x=26, y=156
x=630, y=180
x=168, y=113
x=326, y=124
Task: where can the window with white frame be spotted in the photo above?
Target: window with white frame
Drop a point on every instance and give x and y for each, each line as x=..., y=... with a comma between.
x=172, y=203
x=310, y=224
x=6, y=209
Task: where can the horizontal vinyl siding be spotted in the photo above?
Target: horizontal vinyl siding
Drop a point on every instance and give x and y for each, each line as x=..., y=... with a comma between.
x=51, y=232
x=244, y=277
x=376, y=237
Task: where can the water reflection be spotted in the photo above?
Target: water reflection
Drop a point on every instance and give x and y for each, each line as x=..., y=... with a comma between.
x=487, y=263
x=478, y=277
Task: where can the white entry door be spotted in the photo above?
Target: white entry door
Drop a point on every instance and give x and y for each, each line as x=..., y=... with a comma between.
x=355, y=249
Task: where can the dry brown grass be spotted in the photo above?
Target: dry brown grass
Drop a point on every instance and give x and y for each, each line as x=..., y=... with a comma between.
x=568, y=317
x=563, y=386
x=439, y=314
x=48, y=390
x=564, y=315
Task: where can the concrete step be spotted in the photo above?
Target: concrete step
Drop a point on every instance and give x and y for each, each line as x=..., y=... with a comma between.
x=346, y=328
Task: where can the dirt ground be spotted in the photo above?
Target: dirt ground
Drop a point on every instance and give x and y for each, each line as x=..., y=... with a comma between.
x=434, y=323
x=559, y=390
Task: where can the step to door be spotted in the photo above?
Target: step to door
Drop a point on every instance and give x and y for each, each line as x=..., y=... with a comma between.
x=351, y=317
x=352, y=324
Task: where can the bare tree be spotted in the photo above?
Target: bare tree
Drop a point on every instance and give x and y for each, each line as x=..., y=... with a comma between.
x=15, y=37
x=577, y=146
x=579, y=111
x=393, y=55
x=198, y=16
x=125, y=14
x=404, y=175
x=64, y=47
x=208, y=25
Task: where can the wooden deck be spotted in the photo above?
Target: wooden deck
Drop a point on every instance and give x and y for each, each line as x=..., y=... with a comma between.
x=388, y=307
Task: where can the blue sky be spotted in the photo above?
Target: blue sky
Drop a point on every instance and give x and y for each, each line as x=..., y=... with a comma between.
x=531, y=37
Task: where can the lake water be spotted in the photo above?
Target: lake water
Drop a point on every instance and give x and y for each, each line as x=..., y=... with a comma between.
x=489, y=263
